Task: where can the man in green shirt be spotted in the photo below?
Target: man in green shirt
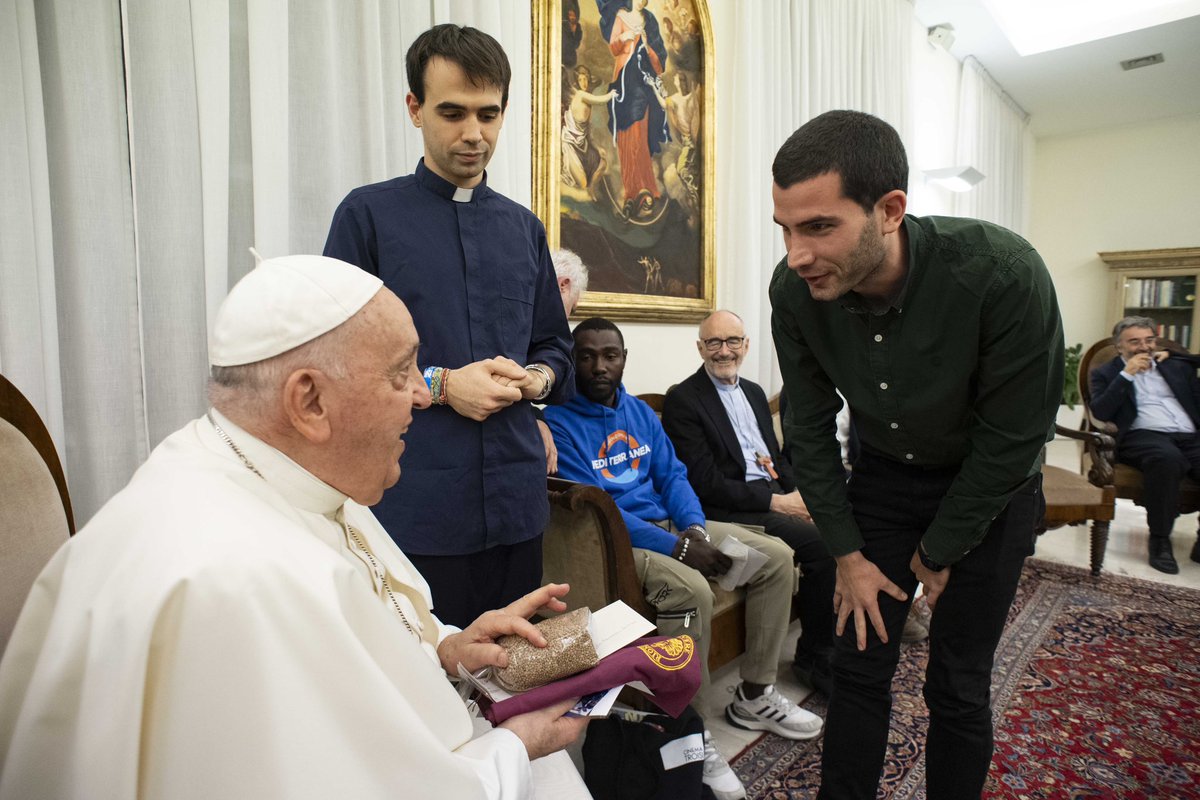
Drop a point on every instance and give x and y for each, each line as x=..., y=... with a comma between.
x=944, y=336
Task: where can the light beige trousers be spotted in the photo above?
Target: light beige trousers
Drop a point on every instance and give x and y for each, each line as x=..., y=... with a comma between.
x=684, y=600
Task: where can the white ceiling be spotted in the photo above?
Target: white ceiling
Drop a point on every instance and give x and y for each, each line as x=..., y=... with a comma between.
x=1083, y=87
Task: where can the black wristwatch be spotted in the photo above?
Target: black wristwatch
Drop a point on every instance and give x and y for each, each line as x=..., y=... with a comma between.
x=928, y=562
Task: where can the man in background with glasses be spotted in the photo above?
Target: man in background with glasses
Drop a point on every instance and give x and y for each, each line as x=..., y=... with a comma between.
x=1156, y=408
x=720, y=425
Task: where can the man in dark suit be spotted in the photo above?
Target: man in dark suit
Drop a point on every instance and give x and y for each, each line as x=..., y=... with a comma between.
x=1155, y=403
x=720, y=425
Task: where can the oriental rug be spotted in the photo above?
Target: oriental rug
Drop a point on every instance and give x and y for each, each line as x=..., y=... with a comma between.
x=1096, y=694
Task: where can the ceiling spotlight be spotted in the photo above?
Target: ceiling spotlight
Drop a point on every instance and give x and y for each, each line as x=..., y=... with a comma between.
x=956, y=179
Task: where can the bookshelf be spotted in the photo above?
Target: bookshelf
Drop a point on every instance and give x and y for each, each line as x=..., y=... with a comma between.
x=1161, y=284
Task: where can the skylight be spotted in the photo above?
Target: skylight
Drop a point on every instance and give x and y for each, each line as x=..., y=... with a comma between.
x=1035, y=26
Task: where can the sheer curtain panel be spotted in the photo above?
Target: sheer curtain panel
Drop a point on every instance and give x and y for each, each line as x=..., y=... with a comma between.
x=994, y=137
x=146, y=144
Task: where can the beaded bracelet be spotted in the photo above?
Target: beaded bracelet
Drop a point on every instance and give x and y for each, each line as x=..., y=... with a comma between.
x=437, y=379
x=683, y=550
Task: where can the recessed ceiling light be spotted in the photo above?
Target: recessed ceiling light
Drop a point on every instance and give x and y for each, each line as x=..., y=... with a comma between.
x=1036, y=26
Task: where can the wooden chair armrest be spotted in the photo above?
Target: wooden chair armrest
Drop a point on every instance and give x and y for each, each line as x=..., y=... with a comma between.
x=1094, y=439
x=1100, y=444
x=621, y=580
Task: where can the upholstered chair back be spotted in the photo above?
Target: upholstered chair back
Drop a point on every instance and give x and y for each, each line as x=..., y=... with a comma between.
x=34, y=514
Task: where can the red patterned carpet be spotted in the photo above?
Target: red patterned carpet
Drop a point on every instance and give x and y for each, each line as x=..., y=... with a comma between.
x=1096, y=694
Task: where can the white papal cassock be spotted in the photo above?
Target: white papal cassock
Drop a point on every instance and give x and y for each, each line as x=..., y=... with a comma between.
x=211, y=634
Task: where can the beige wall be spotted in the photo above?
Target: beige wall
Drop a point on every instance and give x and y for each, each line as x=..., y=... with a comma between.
x=1135, y=187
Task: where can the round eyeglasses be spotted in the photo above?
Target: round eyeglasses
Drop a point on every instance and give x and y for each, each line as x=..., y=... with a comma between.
x=732, y=342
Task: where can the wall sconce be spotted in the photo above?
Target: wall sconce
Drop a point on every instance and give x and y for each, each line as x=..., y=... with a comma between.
x=956, y=179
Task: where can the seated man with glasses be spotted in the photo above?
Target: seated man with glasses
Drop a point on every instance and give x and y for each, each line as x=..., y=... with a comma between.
x=1156, y=408
x=720, y=425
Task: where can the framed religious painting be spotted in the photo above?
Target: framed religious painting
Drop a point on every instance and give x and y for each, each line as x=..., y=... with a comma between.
x=623, y=151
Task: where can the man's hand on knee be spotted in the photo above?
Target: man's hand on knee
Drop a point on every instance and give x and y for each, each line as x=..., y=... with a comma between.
x=856, y=592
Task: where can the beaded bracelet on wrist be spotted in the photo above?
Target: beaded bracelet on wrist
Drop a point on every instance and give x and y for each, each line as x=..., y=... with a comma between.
x=437, y=379
x=683, y=550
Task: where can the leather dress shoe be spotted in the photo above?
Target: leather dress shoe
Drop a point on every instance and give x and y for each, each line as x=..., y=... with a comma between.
x=1161, y=557
x=813, y=669
x=1195, y=556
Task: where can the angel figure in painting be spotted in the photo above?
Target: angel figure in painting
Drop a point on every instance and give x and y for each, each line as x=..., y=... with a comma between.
x=636, y=119
x=681, y=158
x=582, y=162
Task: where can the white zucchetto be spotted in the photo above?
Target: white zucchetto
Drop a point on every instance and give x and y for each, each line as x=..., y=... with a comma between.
x=283, y=303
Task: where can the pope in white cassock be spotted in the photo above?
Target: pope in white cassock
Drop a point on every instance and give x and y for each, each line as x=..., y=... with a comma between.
x=235, y=623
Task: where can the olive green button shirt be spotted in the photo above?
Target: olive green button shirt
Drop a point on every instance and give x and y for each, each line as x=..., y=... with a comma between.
x=965, y=367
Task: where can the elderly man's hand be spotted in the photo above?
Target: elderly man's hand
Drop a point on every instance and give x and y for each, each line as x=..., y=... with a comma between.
x=546, y=730
x=475, y=647
x=482, y=388
x=791, y=503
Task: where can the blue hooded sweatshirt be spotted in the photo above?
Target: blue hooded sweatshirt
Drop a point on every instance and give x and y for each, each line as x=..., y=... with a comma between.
x=625, y=452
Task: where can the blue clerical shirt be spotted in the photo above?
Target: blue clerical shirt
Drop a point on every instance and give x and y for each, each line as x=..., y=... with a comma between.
x=477, y=278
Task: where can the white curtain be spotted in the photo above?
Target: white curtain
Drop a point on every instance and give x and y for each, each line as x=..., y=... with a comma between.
x=785, y=62
x=146, y=144
x=994, y=138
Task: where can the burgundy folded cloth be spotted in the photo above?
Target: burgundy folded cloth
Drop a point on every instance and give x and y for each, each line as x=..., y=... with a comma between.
x=668, y=666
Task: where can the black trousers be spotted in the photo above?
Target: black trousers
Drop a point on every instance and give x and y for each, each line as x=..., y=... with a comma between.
x=894, y=504
x=818, y=571
x=1163, y=458
x=464, y=587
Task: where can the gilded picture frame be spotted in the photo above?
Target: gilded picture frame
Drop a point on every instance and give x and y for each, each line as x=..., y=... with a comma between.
x=624, y=151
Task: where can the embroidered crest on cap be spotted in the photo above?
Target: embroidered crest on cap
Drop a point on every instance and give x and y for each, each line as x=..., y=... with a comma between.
x=670, y=654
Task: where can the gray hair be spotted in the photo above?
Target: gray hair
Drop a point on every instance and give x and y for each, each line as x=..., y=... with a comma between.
x=251, y=391
x=569, y=265
x=1133, y=322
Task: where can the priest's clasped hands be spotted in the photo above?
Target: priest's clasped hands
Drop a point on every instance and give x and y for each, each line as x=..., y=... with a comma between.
x=482, y=388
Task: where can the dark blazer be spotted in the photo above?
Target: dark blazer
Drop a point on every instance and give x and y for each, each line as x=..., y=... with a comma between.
x=1114, y=399
x=704, y=440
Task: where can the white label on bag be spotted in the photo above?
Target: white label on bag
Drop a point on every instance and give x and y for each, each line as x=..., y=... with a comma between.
x=687, y=750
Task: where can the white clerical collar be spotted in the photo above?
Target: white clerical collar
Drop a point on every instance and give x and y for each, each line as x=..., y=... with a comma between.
x=724, y=387
x=462, y=195
x=298, y=486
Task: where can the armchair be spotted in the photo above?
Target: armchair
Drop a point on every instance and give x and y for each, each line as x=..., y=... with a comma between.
x=1099, y=459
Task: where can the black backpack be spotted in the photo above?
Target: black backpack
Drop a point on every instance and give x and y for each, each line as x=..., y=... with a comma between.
x=621, y=758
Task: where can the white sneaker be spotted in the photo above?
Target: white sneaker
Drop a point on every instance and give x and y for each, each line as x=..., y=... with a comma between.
x=718, y=775
x=916, y=625
x=772, y=712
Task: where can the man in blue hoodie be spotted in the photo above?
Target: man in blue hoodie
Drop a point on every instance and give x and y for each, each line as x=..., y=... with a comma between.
x=610, y=439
